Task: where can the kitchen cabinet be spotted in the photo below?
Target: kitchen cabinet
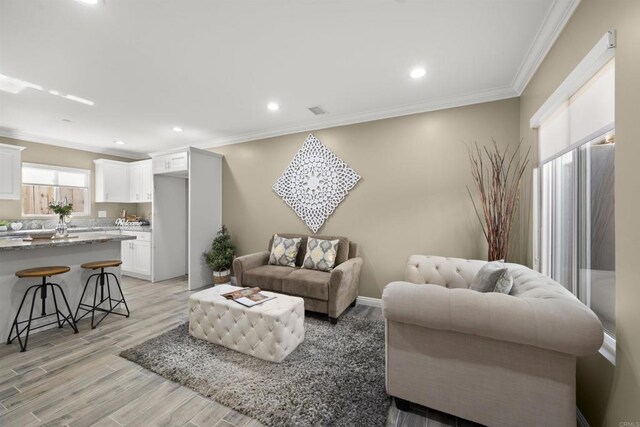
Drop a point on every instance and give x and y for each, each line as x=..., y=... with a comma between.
x=10, y=171
x=124, y=182
x=112, y=181
x=187, y=213
x=140, y=182
x=136, y=255
x=174, y=163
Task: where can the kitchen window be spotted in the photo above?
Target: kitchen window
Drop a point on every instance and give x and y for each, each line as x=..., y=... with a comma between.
x=574, y=192
x=45, y=184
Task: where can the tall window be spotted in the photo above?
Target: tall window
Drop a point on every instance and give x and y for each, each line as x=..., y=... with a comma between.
x=44, y=184
x=574, y=187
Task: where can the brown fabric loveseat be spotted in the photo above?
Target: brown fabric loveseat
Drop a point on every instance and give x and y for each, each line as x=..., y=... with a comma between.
x=323, y=292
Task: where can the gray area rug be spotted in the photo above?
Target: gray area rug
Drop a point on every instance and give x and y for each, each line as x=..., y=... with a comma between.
x=334, y=378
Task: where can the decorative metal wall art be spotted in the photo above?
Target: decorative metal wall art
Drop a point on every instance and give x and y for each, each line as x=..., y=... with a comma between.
x=315, y=183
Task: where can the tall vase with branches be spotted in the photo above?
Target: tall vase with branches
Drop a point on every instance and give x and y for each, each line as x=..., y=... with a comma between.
x=497, y=175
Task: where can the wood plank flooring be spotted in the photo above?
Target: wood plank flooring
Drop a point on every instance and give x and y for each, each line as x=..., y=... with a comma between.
x=79, y=380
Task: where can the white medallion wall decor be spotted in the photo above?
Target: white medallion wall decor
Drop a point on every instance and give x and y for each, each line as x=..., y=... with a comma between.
x=315, y=183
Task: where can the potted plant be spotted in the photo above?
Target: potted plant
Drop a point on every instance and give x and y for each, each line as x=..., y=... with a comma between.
x=63, y=210
x=220, y=257
x=3, y=225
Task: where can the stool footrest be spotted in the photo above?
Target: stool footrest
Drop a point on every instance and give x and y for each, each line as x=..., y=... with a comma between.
x=101, y=279
x=61, y=318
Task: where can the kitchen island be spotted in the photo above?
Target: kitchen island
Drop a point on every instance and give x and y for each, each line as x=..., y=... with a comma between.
x=18, y=254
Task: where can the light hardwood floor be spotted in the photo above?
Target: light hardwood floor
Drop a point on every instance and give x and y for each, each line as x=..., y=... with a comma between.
x=79, y=380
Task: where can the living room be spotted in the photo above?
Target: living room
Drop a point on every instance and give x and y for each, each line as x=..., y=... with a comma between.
x=335, y=142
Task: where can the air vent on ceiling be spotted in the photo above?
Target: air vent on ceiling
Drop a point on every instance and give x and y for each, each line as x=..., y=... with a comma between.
x=317, y=110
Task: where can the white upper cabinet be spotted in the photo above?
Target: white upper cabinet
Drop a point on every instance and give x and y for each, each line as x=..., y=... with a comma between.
x=112, y=181
x=172, y=164
x=140, y=182
x=123, y=182
x=146, y=181
x=10, y=171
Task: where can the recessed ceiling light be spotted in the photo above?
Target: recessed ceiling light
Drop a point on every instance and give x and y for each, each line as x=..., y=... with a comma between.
x=54, y=92
x=177, y=129
x=417, y=72
x=88, y=1
x=119, y=142
x=273, y=106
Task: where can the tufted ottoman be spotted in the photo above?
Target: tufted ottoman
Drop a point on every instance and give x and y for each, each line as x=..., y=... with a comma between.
x=269, y=331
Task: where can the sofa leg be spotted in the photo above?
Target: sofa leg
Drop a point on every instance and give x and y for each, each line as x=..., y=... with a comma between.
x=353, y=304
x=333, y=320
x=402, y=404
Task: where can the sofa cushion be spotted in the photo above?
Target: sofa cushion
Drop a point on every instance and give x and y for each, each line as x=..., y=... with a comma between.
x=488, y=276
x=284, y=251
x=307, y=283
x=320, y=254
x=504, y=284
x=267, y=277
x=341, y=256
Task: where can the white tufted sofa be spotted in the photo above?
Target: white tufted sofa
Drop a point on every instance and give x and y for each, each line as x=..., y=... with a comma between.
x=269, y=331
x=492, y=358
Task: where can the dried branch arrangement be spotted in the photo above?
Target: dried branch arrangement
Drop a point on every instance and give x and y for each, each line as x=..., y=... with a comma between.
x=497, y=176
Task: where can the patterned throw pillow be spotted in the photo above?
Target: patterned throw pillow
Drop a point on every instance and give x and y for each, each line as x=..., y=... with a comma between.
x=321, y=254
x=284, y=251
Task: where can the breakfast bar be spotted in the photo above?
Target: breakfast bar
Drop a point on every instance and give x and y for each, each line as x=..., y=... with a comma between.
x=20, y=254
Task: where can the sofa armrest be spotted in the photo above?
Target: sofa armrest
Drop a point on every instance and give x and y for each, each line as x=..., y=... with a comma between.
x=247, y=262
x=554, y=324
x=343, y=285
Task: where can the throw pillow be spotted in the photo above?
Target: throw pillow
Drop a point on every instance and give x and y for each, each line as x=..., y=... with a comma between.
x=488, y=276
x=504, y=284
x=321, y=254
x=284, y=251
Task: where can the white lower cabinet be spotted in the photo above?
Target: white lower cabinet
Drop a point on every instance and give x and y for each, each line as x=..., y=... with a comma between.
x=136, y=254
x=142, y=258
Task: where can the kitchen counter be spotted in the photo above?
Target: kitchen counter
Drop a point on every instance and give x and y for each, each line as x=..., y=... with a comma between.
x=72, y=230
x=16, y=254
x=17, y=244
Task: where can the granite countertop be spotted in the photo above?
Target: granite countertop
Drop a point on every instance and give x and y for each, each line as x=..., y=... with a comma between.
x=17, y=244
x=73, y=230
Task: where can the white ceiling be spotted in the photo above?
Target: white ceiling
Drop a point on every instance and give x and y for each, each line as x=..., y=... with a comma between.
x=212, y=66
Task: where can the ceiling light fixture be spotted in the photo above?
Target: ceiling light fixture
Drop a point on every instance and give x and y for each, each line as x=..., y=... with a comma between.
x=91, y=2
x=54, y=92
x=14, y=85
x=78, y=99
x=119, y=142
x=177, y=129
x=417, y=73
x=272, y=106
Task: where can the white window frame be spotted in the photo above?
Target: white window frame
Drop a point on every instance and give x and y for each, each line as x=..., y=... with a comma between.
x=601, y=54
x=86, y=172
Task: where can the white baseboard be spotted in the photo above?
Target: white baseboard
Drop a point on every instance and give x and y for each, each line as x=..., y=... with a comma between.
x=371, y=302
x=582, y=421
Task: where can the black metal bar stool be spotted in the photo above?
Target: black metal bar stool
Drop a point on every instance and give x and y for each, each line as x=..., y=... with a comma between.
x=42, y=272
x=102, y=279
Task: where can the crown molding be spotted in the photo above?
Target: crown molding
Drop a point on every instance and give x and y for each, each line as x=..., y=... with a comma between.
x=554, y=22
x=25, y=136
x=479, y=97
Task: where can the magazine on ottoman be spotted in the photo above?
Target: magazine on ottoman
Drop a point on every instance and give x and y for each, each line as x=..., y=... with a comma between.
x=248, y=296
